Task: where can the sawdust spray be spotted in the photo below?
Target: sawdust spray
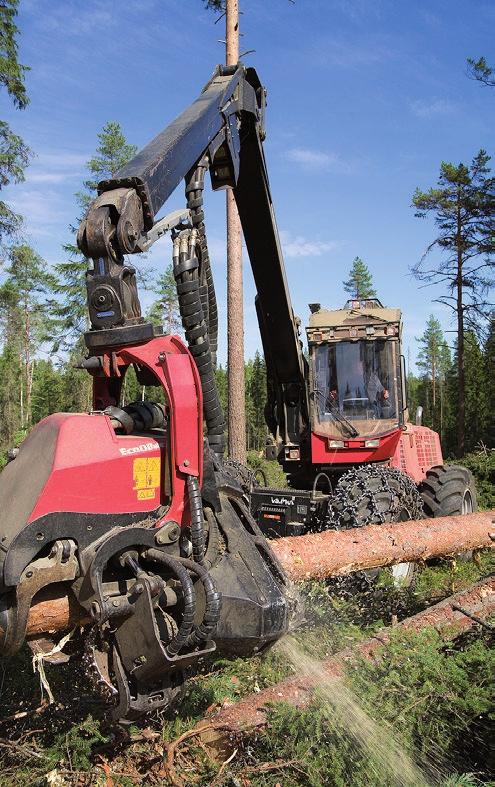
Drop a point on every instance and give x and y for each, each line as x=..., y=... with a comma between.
x=386, y=755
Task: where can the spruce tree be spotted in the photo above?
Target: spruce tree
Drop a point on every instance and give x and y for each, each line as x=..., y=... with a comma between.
x=10, y=397
x=14, y=154
x=476, y=392
x=257, y=395
x=434, y=363
x=23, y=298
x=489, y=364
x=476, y=387
x=48, y=390
x=359, y=285
x=165, y=310
x=70, y=312
x=463, y=208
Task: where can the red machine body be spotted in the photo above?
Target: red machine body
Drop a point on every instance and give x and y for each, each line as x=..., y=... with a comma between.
x=143, y=472
x=412, y=449
x=417, y=451
x=354, y=451
x=87, y=450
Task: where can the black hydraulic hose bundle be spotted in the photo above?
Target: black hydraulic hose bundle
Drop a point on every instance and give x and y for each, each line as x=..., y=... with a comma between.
x=195, y=183
x=190, y=634
x=197, y=529
x=213, y=603
x=189, y=246
x=188, y=598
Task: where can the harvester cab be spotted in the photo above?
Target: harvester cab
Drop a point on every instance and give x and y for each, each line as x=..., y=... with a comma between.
x=357, y=394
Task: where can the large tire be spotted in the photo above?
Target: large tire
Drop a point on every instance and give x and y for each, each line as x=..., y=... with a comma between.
x=448, y=491
x=373, y=494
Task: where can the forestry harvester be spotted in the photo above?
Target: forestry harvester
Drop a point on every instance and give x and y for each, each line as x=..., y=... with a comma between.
x=132, y=508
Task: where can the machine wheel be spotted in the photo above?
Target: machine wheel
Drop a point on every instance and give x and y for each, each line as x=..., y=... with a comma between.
x=447, y=491
x=372, y=495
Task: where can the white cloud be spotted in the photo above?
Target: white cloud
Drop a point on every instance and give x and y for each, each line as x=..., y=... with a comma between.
x=437, y=106
x=299, y=246
x=292, y=245
x=51, y=167
x=37, y=206
x=312, y=159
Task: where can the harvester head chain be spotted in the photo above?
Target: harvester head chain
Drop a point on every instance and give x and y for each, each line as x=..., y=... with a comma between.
x=96, y=665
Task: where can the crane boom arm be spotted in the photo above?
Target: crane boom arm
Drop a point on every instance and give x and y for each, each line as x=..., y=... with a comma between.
x=225, y=127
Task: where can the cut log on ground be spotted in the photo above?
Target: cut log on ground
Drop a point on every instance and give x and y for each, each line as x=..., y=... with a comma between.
x=251, y=712
x=336, y=553
x=321, y=555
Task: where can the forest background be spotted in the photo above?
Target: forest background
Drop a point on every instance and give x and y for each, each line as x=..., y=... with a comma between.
x=43, y=313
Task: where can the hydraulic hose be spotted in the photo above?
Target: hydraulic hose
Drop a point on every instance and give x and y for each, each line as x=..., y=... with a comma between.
x=189, y=599
x=137, y=416
x=213, y=604
x=186, y=272
x=197, y=529
x=195, y=184
x=186, y=635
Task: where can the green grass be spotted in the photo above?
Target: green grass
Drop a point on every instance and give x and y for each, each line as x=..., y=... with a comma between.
x=433, y=697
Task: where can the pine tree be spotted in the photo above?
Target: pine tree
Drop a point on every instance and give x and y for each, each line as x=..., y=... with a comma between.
x=359, y=285
x=434, y=362
x=69, y=310
x=481, y=71
x=14, y=154
x=463, y=207
x=23, y=297
x=112, y=153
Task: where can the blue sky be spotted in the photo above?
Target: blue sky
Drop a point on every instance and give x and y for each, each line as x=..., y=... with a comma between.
x=365, y=99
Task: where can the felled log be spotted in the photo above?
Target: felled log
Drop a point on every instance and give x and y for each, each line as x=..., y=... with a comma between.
x=251, y=712
x=335, y=553
x=318, y=555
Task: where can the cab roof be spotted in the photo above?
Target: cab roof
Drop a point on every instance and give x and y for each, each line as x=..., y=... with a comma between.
x=364, y=313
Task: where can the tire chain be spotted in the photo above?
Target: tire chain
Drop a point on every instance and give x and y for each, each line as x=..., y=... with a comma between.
x=345, y=512
x=369, y=481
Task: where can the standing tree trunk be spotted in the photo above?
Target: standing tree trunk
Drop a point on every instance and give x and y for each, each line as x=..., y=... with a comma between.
x=27, y=364
x=461, y=409
x=235, y=303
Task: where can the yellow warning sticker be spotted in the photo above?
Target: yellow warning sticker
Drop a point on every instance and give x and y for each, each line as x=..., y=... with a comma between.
x=146, y=494
x=146, y=473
